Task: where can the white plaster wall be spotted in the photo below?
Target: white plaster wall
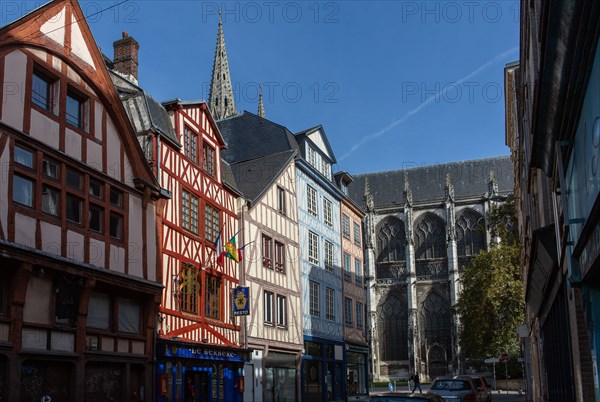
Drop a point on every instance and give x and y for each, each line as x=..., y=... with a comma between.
x=54, y=27
x=78, y=45
x=57, y=64
x=44, y=129
x=128, y=171
x=99, y=110
x=117, y=259
x=37, y=300
x=38, y=53
x=97, y=252
x=136, y=243
x=151, y=241
x=15, y=69
x=113, y=144
x=4, y=168
x=51, y=239
x=73, y=144
x=75, y=245
x=24, y=230
x=94, y=155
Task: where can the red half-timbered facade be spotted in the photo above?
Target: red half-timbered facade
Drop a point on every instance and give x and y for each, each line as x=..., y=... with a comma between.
x=199, y=340
x=79, y=247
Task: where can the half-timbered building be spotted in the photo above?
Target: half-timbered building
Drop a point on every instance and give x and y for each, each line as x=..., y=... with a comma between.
x=263, y=156
x=323, y=372
x=198, y=346
x=272, y=272
x=422, y=227
x=354, y=288
x=79, y=251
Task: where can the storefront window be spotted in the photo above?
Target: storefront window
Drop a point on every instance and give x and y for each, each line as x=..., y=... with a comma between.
x=280, y=384
x=313, y=383
x=45, y=381
x=356, y=374
x=103, y=382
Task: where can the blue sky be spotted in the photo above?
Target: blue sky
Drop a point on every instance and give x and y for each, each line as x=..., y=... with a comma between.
x=395, y=84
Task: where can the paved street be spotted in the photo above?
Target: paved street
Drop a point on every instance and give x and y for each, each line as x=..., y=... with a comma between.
x=501, y=396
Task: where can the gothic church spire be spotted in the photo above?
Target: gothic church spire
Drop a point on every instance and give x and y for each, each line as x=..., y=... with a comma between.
x=221, y=100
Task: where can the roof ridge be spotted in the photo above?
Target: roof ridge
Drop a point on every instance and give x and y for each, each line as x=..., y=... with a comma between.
x=435, y=165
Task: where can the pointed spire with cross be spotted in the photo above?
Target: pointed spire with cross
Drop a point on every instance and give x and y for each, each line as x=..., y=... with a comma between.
x=220, y=100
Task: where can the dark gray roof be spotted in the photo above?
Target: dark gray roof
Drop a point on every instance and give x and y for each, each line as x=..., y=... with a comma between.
x=228, y=178
x=255, y=176
x=249, y=136
x=145, y=113
x=469, y=178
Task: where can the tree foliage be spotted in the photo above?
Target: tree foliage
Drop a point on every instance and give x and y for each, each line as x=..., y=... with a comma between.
x=491, y=303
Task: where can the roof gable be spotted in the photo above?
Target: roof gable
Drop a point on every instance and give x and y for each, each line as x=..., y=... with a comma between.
x=60, y=28
x=318, y=137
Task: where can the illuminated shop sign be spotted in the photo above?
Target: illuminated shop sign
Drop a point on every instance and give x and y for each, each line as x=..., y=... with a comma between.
x=201, y=352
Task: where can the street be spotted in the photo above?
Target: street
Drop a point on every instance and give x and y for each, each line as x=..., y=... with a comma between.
x=497, y=396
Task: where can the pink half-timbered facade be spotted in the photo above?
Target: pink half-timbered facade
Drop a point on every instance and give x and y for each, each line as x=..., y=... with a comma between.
x=79, y=251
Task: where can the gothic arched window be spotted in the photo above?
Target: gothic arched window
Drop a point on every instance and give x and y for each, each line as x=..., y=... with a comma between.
x=392, y=328
x=430, y=237
x=391, y=239
x=435, y=320
x=470, y=234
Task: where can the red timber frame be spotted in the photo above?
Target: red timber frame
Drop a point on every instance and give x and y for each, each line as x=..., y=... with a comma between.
x=181, y=246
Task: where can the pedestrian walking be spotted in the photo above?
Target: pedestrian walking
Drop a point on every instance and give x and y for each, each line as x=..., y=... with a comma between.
x=416, y=382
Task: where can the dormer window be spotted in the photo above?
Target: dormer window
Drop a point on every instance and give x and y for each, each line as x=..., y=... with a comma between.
x=312, y=157
x=325, y=168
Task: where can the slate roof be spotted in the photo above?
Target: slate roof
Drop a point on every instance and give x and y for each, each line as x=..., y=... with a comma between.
x=256, y=176
x=145, y=113
x=249, y=136
x=469, y=178
x=228, y=178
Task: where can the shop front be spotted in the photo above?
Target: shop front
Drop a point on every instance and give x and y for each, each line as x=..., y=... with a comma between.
x=357, y=358
x=323, y=374
x=280, y=377
x=190, y=372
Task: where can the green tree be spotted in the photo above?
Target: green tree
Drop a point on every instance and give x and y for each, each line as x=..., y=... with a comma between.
x=491, y=304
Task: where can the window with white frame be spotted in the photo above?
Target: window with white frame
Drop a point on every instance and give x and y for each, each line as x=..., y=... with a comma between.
x=189, y=211
x=268, y=307
x=311, y=196
x=358, y=276
x=325, y=168
x=347, y=269
x=267, y=246
x=314, y=300
x=313, y=248
x=346, y=226
x=330, y=304
x=281, y=311
x=279, y=257
x=348, y=311
x=359, y=315
x=190, y=144
x=281, y=207
x=357, y=234
x=328, y=256
x=312, y=157
x=328, y=212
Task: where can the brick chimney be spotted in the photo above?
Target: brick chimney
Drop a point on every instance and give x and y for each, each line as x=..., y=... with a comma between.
x=126, y=56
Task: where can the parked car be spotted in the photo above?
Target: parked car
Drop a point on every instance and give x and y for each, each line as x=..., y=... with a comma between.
x=455, y=389
x=396, y=397
x=483, y=387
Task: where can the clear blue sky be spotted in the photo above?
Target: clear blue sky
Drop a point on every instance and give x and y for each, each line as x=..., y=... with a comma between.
x=394, y=83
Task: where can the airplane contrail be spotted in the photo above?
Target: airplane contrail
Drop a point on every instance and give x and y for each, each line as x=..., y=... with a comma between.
x=427, y=102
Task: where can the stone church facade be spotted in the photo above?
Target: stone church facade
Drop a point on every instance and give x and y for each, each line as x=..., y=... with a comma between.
x=422, y=227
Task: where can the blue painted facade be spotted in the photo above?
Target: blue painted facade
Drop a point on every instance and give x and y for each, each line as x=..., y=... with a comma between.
x=323, y=372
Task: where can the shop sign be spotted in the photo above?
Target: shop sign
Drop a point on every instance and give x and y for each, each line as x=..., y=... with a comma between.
x=201, y=352
x=241, y=301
